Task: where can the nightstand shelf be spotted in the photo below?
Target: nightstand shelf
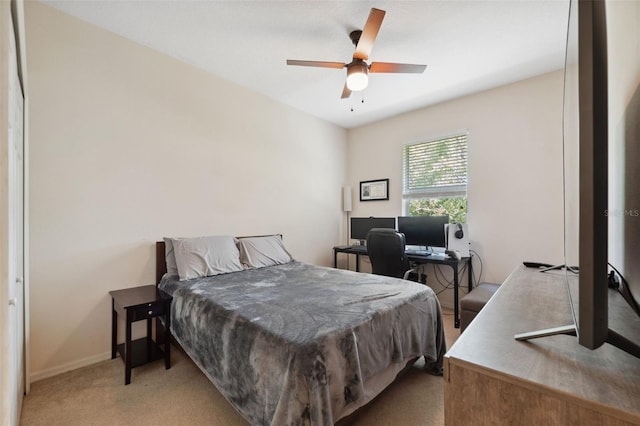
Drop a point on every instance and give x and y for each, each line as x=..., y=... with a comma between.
x=140, y=303
x=140, y=354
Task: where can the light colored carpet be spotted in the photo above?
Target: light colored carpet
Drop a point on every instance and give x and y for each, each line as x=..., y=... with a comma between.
x=182, y=395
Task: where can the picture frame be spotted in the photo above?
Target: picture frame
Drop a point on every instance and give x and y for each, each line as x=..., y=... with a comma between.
x=374, y=190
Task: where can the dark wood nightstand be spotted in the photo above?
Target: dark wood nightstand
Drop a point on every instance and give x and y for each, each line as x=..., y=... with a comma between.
x=140, y=303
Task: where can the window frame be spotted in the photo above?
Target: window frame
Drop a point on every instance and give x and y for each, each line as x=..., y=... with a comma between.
x=451, y=191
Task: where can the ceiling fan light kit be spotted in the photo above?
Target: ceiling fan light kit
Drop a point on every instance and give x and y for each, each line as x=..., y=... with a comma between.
x=358, y=69
x=357, y=75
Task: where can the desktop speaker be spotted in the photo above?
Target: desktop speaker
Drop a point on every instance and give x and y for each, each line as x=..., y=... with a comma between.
x=346, y=199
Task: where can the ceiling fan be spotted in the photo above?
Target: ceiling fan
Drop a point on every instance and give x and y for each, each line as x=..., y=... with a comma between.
x=358, y=70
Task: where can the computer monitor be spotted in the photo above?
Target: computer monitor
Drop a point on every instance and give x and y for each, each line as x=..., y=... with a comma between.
x=360, y=226
x=425, y=231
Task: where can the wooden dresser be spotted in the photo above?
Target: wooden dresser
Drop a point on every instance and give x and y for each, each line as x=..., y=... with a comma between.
x=492, y=379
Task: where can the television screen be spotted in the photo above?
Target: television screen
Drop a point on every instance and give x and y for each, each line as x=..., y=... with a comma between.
x=586, y=187
x=586, y=169
x=586, y=176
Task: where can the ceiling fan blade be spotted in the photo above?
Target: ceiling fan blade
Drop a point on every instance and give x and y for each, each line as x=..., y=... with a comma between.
x=320, y=64
x=369, y=34
x=345, y=92
x=396, y=68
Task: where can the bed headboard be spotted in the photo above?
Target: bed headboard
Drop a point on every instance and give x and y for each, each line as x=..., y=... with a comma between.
x=161, y=263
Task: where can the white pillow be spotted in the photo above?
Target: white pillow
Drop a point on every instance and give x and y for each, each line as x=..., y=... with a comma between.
x=258, y=252
x=206, y=256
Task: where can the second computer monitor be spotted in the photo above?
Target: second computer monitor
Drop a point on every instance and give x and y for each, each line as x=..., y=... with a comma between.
x=425, y=231
x=360, y=226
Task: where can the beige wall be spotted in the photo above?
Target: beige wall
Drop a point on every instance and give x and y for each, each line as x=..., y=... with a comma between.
x=515, y=170
x=128, y=146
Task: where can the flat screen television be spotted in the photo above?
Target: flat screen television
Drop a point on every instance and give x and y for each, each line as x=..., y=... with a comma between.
x=360, y=226
x=427, y=231
x=586, y=182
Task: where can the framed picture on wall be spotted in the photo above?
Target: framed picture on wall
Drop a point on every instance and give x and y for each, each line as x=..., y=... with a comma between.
x=374, y=190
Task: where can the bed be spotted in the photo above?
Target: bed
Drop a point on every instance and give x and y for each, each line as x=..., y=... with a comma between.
x=293, y=343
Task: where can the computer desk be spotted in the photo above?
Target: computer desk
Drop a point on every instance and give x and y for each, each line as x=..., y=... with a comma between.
x=436, y=260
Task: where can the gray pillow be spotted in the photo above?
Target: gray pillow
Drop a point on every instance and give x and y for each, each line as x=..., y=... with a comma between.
x=258, y=252
x=206, y=256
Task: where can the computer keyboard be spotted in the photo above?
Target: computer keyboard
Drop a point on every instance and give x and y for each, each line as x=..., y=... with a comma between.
x=413, y=252
x=419, y=252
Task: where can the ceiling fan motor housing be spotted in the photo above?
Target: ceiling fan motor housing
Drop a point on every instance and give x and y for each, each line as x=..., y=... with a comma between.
x=355, y=36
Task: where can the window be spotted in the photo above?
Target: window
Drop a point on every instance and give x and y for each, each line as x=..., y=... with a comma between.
x=435, y=178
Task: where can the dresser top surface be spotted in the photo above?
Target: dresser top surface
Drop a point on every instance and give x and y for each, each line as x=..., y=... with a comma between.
x=528, y=301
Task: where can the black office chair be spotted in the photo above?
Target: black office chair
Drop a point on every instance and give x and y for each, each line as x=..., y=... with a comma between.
x=386, y=248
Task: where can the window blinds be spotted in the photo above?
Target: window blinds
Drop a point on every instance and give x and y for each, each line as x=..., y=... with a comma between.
x=436, y=168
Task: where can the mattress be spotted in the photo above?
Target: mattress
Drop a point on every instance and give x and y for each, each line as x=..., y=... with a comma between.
x=303, y=344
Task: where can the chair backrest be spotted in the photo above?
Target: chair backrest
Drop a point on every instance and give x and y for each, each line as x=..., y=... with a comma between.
x=386, y=252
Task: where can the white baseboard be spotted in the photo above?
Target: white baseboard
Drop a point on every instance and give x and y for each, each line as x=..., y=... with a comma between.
x=50, y=372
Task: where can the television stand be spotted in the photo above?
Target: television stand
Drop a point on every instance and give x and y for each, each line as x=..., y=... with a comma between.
x=613, y=338
x=569, y=330
x=549, y=267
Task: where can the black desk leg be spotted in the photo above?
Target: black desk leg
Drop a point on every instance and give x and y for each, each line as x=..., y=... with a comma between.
x=470, y=269
x=335, y=258
x=357, y=263
x=456, y=316
x=114, y=329
x=128, y=349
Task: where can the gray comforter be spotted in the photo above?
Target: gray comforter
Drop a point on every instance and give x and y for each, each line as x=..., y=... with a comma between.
x=299, y=344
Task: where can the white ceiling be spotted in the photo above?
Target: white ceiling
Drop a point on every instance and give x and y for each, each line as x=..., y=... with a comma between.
x=468, y=46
